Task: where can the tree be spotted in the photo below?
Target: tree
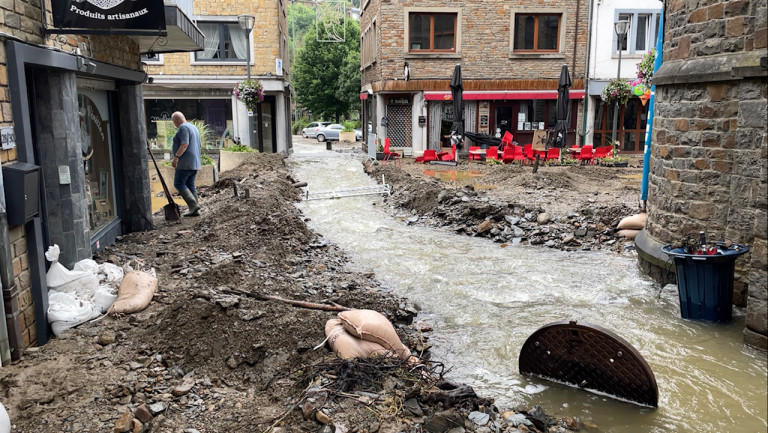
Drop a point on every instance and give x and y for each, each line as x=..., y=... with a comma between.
x=323, y=76
x=300, y=19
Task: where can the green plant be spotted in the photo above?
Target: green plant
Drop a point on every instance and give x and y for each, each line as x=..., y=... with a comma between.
x=645, y=68
x=298, y=125
x=240, y=148
x=617, y=90
x=207, y=135
x=349, y=126
x=493, y=161
x=206, y=160
x=379, y=146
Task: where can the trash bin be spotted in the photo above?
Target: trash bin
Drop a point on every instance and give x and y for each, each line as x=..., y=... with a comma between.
x=705, y=282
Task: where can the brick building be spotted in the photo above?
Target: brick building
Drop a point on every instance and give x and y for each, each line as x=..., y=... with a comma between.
x=709, y=156
x=511, y=54
x=200, y=83
x=74, y=159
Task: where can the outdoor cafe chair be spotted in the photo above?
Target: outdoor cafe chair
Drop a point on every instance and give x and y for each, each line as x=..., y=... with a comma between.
x=388, y=155
x=491, y=153
x=508, y=155
x=528, y=152
x=429, y=155
x=603, y=152
x=472, y=155
x=507, y=139
x=446, y=156
x=553, y=153
x=586, y=154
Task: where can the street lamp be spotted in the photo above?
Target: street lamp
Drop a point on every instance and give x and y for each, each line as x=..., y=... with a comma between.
x=621, y=27
x=246, y=23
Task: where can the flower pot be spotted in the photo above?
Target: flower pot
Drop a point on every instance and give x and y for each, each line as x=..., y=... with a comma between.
x=347, y=136
x=380, y=156
x=230, y=160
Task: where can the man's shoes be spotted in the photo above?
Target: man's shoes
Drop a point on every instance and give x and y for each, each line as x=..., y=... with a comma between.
x=194, y=208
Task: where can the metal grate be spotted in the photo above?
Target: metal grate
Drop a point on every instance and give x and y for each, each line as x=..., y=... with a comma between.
x=589, y=357
x=382, y=188
x=399, y=129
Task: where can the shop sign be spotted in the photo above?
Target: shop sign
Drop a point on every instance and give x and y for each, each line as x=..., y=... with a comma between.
x=400, y=101
x=8, y=137
x=109, y=14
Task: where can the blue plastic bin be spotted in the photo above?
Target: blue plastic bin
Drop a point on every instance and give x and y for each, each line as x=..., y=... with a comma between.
x=705, y=283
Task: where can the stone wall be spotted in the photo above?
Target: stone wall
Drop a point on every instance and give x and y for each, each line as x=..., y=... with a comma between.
x=708, y=166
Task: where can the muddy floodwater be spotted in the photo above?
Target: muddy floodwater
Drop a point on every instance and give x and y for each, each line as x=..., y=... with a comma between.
x=484, y=301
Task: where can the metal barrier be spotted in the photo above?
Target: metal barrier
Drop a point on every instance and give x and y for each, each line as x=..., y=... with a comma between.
x=383, y=188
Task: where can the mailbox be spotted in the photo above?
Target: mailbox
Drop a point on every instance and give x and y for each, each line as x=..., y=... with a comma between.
x=22, y=192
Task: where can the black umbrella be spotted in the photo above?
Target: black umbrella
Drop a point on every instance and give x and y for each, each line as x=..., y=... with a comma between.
x=563, y=100
x=457, y=89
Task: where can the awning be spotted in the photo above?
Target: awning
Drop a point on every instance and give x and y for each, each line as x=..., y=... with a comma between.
x=476, y=95
x=183, y=35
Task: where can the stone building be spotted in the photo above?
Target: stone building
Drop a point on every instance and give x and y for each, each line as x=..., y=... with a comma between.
x=200, y=83
x=709, y=157
x=511, y=54
x=74, y=160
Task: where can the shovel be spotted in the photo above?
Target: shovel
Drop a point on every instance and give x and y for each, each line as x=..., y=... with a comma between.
x=171, y=210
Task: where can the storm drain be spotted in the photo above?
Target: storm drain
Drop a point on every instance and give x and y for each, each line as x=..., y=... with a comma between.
x=382, y=188
x=589, y=357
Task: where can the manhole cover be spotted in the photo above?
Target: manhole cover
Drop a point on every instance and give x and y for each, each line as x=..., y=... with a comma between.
x=589, y=357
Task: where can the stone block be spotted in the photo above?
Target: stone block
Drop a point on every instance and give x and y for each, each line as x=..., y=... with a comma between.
x=753, y=339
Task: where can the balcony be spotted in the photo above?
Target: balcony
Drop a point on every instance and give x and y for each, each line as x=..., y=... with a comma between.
x=183, y=35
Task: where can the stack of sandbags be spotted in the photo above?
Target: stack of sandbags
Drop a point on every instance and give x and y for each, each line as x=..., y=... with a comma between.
x=630, y=226
x=364, y=333
x=134, y=293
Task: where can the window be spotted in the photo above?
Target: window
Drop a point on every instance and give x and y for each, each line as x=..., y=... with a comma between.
x=152, y=58
x=368, y=45
x=643, y=26
x=224, y=41
x=537, y=32
x=432, y=32
x=630, y=125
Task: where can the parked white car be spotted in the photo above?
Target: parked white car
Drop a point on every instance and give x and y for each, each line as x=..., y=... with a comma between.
x=330, y=132
x=311, y=130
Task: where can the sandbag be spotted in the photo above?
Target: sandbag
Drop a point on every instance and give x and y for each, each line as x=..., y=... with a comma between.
x=373, y=326
x=628, y=233
x=348, y=346
x=635, y=222
x=135, y=293
x=66, y=311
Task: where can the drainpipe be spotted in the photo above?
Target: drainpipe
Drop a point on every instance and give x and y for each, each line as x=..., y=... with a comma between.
x=6, y=277
x=649, y=124
x=586, y=75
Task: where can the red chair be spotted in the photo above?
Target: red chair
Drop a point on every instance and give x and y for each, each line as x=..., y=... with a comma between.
x=528, y=152
x=553, y=153
x=472, y=155
x=586, y=154
x=429, y=155
x=603, y=152
x=507, y=139
x=388, y=156
x=491, y=153
x=573, y=154
x=508, y=155
x=447, y=156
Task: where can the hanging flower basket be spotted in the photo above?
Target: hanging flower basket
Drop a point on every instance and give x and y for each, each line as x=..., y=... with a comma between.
x=251, y=92
x=645, y=69
x=616, y=90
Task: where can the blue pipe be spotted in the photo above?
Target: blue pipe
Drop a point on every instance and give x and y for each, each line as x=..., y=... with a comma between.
x=649, y=124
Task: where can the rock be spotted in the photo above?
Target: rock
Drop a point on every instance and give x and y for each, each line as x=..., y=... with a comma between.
x=441, y=421
x=106, y=338
x=307, y=409
x=184, y=388
x=157, y=408
x=138, y=426
x=542, y=218
x=484, y=226
x=124, y=424
x=412, y=405
x=571, y=423
x=479, y=418
x=143, y=414
x=580, y=232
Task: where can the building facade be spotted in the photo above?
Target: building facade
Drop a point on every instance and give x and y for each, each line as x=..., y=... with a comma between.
x=200, y=84
x=74, y=160
x=511, y=54
x=603, y=65
x=709, y=159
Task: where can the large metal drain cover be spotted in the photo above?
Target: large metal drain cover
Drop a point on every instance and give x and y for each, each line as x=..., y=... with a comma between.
x=589, y=357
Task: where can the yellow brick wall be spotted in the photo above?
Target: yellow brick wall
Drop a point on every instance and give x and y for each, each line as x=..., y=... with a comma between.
x=270, y=16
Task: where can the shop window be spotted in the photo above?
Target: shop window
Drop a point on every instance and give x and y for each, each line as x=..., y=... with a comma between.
x=432, y=32
x=213, y=118
x=97, y=158
x=630, y=125
x=224, y=41
x=536, y=32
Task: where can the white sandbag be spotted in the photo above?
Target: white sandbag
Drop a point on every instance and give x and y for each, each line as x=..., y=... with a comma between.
x=635, y=222
x=104, y=297
x=373, y=326
x=347, y=346
x=87, y=265
x=58, y=275
x=112, y=274
x=135, y=293
x=5, y=420
x=66, y=311
x=628, y=233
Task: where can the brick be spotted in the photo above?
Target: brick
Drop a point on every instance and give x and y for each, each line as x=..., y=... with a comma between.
x=701, y=164
x=682, y=125
x=16, y=263
x=701, y=211
x=19, y=247
x=722, y=166
x=671, y=175
x=698, y=16
x=734, y=27
x=717, y=92
x=715, y=12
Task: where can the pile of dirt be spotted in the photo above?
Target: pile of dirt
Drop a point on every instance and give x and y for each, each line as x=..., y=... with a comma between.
x=233, y=340
x=563, y=207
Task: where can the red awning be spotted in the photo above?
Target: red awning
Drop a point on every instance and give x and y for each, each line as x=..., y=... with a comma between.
x=364, y=95
x=473, y=95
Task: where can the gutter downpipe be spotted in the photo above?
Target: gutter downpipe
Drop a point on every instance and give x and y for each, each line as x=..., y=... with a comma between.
x=6, y=278
x=649, y=124
x=586, y=76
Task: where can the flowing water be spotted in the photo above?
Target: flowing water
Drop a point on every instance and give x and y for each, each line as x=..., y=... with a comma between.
x=484, y=301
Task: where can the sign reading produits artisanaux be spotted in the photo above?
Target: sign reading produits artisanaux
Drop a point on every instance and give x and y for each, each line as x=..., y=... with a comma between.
x=109, y=14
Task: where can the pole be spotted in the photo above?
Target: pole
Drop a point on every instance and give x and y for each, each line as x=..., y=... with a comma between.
x=248, y=72
x=616, y=104
x=649, y=124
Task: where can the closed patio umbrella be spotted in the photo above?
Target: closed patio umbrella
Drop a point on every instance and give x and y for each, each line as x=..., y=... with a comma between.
x=457, y=90
x=562, y=108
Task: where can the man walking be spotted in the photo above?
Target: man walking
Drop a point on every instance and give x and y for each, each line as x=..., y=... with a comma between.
x=186, y=161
